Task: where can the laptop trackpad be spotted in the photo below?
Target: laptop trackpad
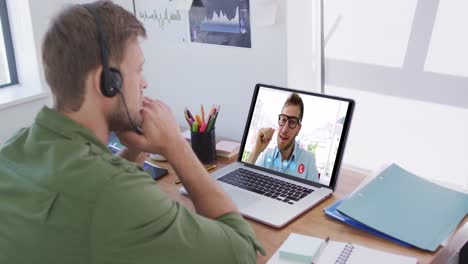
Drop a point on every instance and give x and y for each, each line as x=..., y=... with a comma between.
x=242, y=199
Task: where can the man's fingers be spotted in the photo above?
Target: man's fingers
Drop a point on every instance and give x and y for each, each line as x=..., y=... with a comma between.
x=141, y=158
x=270, y=132
x=149, y=104
x=132, y=139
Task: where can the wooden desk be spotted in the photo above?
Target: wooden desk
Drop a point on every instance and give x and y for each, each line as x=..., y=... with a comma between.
x=313, y=222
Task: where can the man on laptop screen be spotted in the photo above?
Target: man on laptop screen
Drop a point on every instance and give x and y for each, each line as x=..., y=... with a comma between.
x=307, y=129
x=288, y=156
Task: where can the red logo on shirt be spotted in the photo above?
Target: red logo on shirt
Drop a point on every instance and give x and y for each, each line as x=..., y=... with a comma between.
x=301, y=169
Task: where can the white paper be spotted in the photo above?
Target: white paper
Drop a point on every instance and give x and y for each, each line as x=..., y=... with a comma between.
x=266, y=12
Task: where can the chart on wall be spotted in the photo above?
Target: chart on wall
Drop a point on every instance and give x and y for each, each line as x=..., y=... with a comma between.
x=220, y=22
x=165, y=20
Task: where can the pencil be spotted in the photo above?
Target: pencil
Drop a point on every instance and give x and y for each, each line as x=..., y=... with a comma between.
x=320, y=250
x=202, y=113
x=211, y=167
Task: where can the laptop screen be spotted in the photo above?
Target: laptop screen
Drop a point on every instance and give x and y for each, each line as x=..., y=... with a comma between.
x=297, y=133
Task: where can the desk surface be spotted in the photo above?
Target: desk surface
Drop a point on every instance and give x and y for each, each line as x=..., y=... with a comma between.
x=313, y=222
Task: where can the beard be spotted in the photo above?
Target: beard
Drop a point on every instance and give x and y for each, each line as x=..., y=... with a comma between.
x=286, y=145
x=118, y=119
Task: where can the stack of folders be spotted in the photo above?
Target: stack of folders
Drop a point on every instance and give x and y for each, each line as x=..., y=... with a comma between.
x=301, y=249
x=332, y=212
x=227, y=148
x=404, y=208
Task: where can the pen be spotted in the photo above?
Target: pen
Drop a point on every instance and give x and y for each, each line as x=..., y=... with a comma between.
x=188, y=113
x=320, y=250
x=210, y=124
x=203, y=127
x=197, y=117
x=195, y=127
x=187, y=119
x=214, y=119
x=191, y=122
x=202, y=113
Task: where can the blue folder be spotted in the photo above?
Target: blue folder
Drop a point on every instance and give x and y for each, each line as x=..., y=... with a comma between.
x=407, y=207
x=335, y=214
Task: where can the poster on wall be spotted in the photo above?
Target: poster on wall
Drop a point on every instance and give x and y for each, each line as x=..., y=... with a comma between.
x=221, y=22
x=165, y=20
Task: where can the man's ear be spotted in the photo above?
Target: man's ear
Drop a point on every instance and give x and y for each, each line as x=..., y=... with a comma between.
x=300, y=126
x=95, y=80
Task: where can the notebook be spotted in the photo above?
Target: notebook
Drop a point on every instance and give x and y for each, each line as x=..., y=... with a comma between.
x=300, y=248
x=227, y=148
x=334, y=252
x=407, y=207
x=287, y=186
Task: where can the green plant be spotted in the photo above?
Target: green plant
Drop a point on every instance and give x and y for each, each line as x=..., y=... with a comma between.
x=245, y=155
x=312, y=147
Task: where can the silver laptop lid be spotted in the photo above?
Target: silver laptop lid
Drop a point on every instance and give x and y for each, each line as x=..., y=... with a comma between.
x=296, y=134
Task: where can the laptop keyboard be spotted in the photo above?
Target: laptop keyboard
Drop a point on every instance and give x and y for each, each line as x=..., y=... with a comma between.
x=266, y=186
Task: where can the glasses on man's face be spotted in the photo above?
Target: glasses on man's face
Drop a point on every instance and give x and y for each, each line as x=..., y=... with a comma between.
x=292, y=120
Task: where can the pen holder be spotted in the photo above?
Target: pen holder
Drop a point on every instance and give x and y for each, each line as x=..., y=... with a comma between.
x=204, y=145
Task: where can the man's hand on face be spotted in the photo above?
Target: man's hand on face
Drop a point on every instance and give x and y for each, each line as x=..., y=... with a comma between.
x=160, y=128
x=263, y=139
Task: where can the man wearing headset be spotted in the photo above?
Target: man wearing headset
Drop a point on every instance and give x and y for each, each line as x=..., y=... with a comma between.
x=287, y=157
x=67, y=199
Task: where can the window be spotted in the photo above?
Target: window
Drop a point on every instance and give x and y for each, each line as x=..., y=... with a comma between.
x=8, y=74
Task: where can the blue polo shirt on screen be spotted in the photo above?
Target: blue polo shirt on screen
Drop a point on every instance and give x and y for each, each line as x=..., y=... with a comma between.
x=301, y=164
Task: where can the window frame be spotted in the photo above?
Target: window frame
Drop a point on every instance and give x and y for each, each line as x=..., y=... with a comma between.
x=8, y=42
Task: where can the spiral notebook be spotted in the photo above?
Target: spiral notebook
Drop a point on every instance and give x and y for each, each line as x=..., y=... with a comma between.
x=347, y=253
x=335, y=252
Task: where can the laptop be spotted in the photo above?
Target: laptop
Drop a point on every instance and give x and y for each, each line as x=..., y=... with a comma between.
x=300, y=164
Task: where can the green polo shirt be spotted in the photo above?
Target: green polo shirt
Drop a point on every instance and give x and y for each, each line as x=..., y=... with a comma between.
x=66, y=199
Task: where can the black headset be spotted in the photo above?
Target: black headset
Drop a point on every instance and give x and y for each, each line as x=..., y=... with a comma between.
x=111, y=78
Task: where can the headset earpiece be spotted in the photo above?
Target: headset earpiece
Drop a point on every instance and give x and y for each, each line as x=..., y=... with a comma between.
x=114, y=82
x=116, y=78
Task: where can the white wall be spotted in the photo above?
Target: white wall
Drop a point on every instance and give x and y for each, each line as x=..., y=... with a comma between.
x=303, y=32
x=404, y=64
x=190, y=74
